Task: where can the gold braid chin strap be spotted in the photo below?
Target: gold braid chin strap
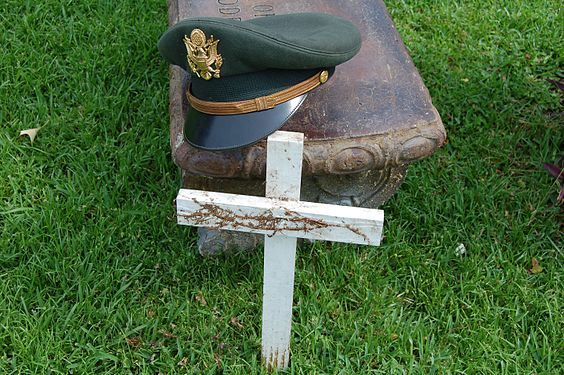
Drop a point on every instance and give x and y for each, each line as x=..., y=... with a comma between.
x=257, y=104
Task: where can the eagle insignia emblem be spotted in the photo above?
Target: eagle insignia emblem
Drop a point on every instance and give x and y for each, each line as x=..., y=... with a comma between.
x=203, y=58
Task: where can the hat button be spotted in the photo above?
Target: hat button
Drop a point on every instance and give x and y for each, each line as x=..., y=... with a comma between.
x=324, y=76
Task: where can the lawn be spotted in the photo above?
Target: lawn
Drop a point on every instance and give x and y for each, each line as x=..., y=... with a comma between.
x=96, y=277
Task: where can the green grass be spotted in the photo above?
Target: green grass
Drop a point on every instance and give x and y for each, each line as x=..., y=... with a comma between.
x=96, y=277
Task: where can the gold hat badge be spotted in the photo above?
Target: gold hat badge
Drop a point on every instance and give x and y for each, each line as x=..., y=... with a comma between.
x=203, y=58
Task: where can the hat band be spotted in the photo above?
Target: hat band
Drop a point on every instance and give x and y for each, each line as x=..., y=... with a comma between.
x=257, y=104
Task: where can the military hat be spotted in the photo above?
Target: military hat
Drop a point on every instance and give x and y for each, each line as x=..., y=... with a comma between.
x=247, y=78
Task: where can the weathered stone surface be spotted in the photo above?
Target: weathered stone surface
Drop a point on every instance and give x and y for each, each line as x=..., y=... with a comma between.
x=362, y=128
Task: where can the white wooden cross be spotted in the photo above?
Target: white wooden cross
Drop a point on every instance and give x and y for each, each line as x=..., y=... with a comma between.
x=282, y=218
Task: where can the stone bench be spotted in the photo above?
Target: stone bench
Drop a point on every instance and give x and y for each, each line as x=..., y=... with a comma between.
x=362, y=128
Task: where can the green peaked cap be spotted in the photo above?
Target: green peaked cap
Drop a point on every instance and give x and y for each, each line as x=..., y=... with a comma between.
x=292, y=41
x=247, y=78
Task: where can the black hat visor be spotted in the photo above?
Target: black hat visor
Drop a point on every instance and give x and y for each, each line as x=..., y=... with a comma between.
x=223, y=132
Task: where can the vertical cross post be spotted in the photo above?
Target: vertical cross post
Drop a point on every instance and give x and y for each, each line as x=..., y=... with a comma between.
x=283, y=181
x=282, y=218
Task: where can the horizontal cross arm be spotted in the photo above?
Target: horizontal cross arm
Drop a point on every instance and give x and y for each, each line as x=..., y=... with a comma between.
x=270, y=216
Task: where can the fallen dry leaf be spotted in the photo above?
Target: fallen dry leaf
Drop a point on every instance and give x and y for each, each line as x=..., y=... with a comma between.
x=183, y=362
x=236, y=323
x=536, y=266
x=201, y=299
x=217, y=359
x=134, y=341
x=168, y=335
x=31, y=133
